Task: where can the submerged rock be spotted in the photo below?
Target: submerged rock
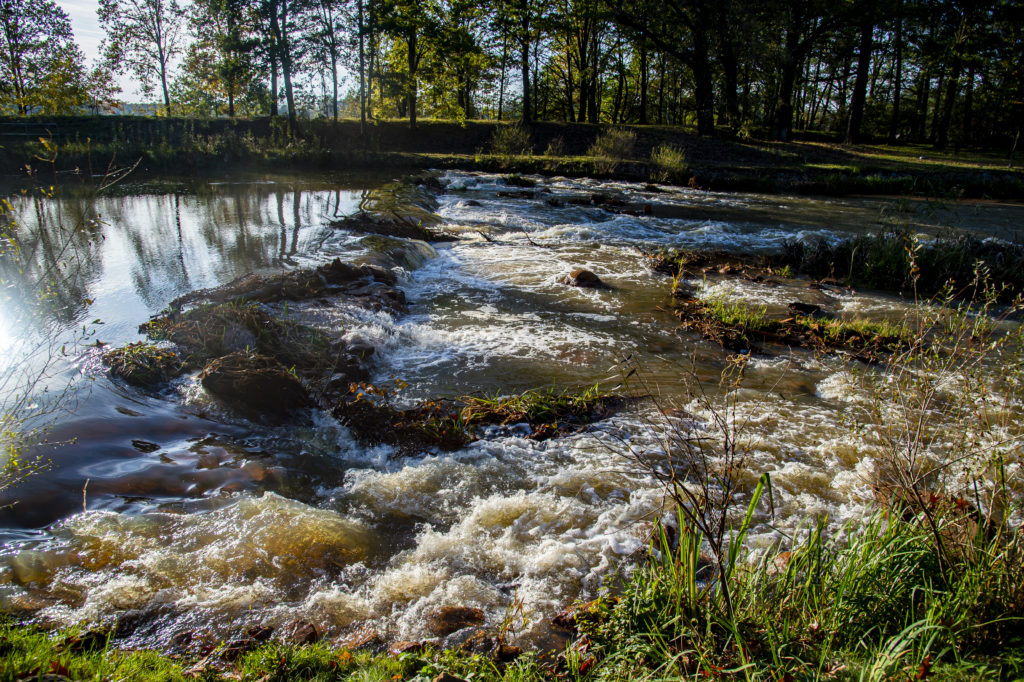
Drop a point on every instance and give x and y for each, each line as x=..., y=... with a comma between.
x=255, y=382
x=398, y=209
x=449, y=619
x=516, y=180
x=583, y=278
x=334, y=278
x=406, y=647
x=408, y=254
x=809, y=310
x=298, y=633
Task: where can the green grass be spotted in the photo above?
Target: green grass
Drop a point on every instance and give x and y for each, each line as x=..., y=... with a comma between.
x=838, y=331
x=737, y=314
x=876, y=604
x=27, y=652
x=536, y=407
x=893, y=259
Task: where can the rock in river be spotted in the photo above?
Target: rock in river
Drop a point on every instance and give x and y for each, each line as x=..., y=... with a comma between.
x=583, y=278
x=255, y=382
x=449, y=619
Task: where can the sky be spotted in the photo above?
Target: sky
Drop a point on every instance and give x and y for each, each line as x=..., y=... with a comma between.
x=88, y=34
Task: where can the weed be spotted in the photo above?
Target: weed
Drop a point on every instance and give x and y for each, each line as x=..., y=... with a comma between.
x=143, y=364
x=669, y=164
x=509, y=141
x=611, y=148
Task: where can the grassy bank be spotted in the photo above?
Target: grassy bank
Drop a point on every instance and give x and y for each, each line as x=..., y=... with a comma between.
x=882, y=603
x=659, y=153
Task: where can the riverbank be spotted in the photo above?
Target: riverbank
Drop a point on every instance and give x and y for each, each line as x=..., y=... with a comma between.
x=90, y=144
x=845, y=574
x=885, y=602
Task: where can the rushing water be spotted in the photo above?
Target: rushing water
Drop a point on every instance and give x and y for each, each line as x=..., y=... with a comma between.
x=168, y=508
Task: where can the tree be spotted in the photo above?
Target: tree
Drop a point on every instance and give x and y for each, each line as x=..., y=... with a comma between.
x=40, y=65
x=227, y=28
x=414, y=23
x=143, y=37
x=324, y=24
x=692, y=19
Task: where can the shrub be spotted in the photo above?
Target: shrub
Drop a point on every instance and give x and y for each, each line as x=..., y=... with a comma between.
x=668, y=164
x=511, y=140
x=611, y=148
x=556, y=147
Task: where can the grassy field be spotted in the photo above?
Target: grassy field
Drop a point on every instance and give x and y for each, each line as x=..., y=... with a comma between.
x=719, y=163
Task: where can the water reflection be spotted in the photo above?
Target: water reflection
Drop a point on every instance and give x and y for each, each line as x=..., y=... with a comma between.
x=133, y=255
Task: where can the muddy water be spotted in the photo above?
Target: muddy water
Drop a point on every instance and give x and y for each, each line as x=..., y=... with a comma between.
x=171, y=511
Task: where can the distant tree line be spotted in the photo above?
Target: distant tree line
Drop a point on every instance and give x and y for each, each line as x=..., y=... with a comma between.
x=939, y=71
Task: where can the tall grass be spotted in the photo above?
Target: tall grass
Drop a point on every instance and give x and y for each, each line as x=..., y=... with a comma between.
x=611, y=148
x=927, y=584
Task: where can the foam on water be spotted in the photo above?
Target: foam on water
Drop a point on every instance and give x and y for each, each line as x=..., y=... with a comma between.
x=365, y=535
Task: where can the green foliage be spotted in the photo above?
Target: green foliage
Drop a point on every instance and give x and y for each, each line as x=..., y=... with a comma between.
x=611, y=148
x=669, y=164
x=894, y=259
x=143, y=364
x=509, y=141
x=28, y=652
x=870, y=601
x=737, y=314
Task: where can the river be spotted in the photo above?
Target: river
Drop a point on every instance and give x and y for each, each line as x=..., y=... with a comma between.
x=168, y=510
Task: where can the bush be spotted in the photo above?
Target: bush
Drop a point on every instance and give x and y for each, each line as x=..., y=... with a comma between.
x=611, y=148
x=511, y=140
x=668, y=164
x=556, y=147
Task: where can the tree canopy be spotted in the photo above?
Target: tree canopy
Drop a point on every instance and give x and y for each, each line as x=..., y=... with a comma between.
x=946, y=72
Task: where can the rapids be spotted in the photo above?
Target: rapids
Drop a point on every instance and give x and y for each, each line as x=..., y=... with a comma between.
x=170, y=512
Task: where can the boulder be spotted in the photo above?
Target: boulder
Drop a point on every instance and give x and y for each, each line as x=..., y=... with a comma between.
x=255, y=382
x=406, y=647
x=583, y=278
x=808, y=310
x=363, y=638
x=298, y=633
x=449, y=619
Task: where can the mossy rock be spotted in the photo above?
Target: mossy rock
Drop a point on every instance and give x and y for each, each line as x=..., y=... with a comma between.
x=255, y=383
x=143, y=364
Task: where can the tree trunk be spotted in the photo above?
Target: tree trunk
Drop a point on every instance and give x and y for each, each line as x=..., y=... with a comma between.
x=569, y=102
x=860, y=85
x=968, y=127
x=334, y=83
x=643, y=84
x=703, y=91
x=525, y=57
x=937, y=112
x=362, y=82
x=411, y=40
x=792, y=56
x=922, y=105
x=504, y=66
x=661, y=91
x=894, y=122
x=952, y=87
x=275, y=52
